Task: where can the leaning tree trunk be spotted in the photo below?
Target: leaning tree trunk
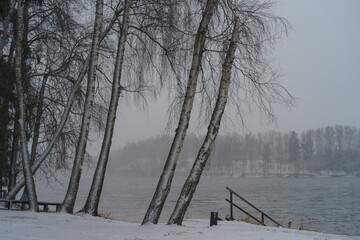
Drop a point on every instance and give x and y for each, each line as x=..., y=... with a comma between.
x=25, y=54
x=154, y=210
x=70, y=197
x=29, y=179
x=17, y=187
x=92, y=202
x=36, y=128
x=194, y=177
x=14, y=154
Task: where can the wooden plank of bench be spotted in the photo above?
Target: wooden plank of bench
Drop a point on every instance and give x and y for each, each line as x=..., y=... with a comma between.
x=23, y=203
x=12, y=202
x=9, y=203
x=47, y=204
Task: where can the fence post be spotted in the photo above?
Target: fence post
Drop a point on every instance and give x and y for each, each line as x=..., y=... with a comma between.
x=262, y=218
x=213, y=218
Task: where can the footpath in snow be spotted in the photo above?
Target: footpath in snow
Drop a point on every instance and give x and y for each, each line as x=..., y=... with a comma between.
x=18, y=225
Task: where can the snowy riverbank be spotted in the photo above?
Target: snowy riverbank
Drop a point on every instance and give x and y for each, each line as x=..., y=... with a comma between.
x=17, y=225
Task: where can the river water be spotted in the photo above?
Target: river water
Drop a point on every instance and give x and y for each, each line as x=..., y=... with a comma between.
x=323, y=204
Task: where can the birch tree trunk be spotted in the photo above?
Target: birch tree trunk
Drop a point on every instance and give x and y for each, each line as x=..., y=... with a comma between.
x=36, y=128
x=92, y=202
x=29, y=179
x=39, y=114
x=154, y=210
x=70, y=197
x=64, y=117
x=14, y=154
x=194, y=177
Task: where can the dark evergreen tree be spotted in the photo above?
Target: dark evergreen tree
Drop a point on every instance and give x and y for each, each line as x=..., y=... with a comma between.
x=307, y=149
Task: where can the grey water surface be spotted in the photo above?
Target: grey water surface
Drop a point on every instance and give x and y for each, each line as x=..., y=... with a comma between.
x=325, y=204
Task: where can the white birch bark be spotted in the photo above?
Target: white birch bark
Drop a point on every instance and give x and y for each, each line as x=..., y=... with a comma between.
x=70, y=197
x=29, y=179
x=92, y=202
x=49, y=147
x=194, y=177
x=14, y=154
x=154, y=210
x=36, y=128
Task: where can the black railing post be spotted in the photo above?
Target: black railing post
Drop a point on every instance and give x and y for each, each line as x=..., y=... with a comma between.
x=213, y=218
x=262, y=218
x=231, y=206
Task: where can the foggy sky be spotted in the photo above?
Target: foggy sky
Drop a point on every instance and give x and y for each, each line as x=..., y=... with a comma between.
x=320, y=66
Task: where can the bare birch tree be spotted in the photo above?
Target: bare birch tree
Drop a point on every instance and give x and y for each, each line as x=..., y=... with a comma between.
x=213, y=129
x=36, y=128
x=40, y=159
x=92, y=202
x=154, y=210
x=70, y=197
x=28, y=175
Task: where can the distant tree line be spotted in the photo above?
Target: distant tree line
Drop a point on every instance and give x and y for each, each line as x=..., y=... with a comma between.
x=148, y=156
x=323, y=151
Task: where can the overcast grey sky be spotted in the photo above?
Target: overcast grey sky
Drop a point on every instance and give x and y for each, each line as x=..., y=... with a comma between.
x=320, y=64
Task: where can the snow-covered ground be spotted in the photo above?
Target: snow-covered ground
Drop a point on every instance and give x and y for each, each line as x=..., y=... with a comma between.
x=16, y=225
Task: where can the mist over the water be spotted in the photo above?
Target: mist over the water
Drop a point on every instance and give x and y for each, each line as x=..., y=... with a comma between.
x=319, y=63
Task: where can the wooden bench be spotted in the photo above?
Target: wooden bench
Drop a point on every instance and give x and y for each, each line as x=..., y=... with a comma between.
x=9, y=205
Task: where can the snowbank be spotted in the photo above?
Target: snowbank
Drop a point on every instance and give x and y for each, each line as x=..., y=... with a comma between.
x=16, y=225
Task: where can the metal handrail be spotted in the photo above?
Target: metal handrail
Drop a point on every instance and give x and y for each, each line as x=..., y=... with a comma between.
x=263, y=215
